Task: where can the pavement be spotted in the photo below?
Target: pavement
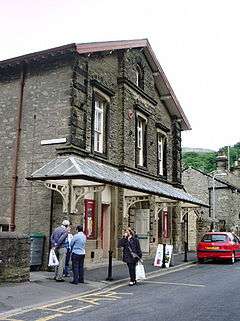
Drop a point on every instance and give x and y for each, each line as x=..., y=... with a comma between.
x=43, y=289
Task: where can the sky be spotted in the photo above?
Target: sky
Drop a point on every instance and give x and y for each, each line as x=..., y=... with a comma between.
x=196, y=42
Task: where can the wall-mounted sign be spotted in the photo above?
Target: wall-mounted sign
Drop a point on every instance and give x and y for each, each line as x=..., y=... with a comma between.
x=130, y=114
x=53, y=141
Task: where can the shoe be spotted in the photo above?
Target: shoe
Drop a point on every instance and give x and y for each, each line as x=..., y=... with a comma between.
x=131, y=283
x=66, y=275
x=60, y=280
x=72, y=282
x=135, y=282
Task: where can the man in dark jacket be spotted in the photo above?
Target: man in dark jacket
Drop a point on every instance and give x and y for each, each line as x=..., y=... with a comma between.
x=131, y=253
x=59, y=244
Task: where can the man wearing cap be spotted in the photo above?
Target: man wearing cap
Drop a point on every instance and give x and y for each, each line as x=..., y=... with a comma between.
x=58, y=240
x=77, y=245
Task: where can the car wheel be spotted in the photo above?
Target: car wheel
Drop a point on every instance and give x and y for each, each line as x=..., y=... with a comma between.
x=200, y=260
x=233, y=259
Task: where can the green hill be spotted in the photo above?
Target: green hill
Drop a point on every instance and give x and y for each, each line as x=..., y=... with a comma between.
x=205, y=160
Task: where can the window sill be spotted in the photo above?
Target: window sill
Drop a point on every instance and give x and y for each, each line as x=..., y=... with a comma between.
x=99, y=155
x=142, y=168
x=162, y=177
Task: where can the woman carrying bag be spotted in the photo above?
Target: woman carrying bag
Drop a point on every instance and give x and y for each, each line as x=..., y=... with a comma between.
x=131, y=253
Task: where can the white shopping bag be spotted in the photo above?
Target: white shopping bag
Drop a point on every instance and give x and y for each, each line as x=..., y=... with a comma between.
x=140, y=271
x=53, y=261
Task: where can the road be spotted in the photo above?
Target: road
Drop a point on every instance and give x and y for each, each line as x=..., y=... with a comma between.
x=196, y=293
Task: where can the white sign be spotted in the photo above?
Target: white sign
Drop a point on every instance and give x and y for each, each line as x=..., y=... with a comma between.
x=159, y=255
x=168, y=255
x=53, y=141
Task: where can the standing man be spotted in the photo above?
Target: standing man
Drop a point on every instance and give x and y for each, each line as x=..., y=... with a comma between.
x=77, y=245
x=59, y=242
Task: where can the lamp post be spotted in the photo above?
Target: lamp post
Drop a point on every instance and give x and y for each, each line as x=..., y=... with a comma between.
x=214, y=198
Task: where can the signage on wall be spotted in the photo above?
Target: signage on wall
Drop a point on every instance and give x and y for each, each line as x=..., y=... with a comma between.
x=165, y=224
x=130, y=114
x=53, y=141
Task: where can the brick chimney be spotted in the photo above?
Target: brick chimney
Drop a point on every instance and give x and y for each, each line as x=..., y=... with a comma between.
x=222, y=162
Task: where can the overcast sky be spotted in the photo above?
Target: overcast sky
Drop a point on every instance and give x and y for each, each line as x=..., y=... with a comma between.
x=196, y=42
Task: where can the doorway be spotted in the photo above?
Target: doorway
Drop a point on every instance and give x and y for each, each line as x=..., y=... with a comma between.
x=142, y=227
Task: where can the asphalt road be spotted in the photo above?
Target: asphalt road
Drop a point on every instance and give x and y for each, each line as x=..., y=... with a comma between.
x=197, y=293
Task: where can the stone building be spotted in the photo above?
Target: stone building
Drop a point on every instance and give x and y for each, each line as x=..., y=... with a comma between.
x=96, y=130
x=221, y=190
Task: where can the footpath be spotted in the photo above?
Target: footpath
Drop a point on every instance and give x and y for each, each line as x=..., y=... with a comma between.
x=42, y=288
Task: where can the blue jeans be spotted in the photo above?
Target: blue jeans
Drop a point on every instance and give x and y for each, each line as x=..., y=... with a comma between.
x=66, y=268
x=77, y=267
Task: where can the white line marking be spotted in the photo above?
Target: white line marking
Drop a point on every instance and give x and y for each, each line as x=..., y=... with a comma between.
x=174, y=283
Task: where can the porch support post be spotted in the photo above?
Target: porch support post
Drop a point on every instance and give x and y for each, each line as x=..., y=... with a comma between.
x=98, y=202
x=177, y=228
x=69, y=205
x=114, y=221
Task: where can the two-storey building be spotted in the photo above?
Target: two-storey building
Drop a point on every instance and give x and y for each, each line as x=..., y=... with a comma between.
x=96, y=130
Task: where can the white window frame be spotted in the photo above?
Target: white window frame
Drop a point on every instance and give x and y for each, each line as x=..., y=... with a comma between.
x=161, y=139
x=98, y=125
x=140, y=138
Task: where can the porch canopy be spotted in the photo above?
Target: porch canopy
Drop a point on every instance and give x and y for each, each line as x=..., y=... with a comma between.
x=74, y=167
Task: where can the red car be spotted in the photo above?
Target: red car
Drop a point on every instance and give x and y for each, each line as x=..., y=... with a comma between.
x=219, y=245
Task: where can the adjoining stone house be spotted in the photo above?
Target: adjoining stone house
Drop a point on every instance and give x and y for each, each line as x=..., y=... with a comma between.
x=96, y=129
x=222, y=188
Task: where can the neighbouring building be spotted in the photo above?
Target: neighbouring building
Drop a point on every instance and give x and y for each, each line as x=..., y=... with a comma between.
x=92, y=133
x=221, y=190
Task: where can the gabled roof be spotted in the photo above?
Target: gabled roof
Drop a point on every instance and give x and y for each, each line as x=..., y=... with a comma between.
x=161, y=81
x=225, y=181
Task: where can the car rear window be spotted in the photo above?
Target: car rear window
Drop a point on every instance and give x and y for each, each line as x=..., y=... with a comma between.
x=214, y=238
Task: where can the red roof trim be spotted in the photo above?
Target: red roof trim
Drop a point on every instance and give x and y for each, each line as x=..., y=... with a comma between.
x=110, y=45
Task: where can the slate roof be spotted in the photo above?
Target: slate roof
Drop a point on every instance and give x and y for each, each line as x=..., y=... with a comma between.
x=76, y=167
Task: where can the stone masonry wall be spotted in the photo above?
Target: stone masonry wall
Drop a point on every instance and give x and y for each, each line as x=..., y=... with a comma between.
x=14, y=257
x=106, y=68
x=227, y=200
x=45, y=115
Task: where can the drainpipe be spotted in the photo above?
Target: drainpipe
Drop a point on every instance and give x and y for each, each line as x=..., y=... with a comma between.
x=16, y=151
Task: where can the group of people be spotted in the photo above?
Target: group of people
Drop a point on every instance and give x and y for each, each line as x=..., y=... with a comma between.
x=65, y=246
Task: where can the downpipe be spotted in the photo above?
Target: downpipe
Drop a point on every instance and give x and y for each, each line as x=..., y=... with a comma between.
x=16, y=152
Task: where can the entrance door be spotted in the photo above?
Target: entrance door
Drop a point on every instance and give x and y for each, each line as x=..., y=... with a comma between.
x=142, y=228
x=105, y=229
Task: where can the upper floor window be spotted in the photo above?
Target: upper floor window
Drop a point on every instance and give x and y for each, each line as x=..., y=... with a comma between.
x=139, y=77
x=141, y=141
x=162, y=153
x=98, y=126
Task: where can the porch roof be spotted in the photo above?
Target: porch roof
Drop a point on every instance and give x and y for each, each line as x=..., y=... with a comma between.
x=74, y=167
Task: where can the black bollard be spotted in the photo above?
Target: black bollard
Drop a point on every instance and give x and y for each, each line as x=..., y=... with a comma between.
x=164, y=256
x=185, y=251
x=109, y=278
